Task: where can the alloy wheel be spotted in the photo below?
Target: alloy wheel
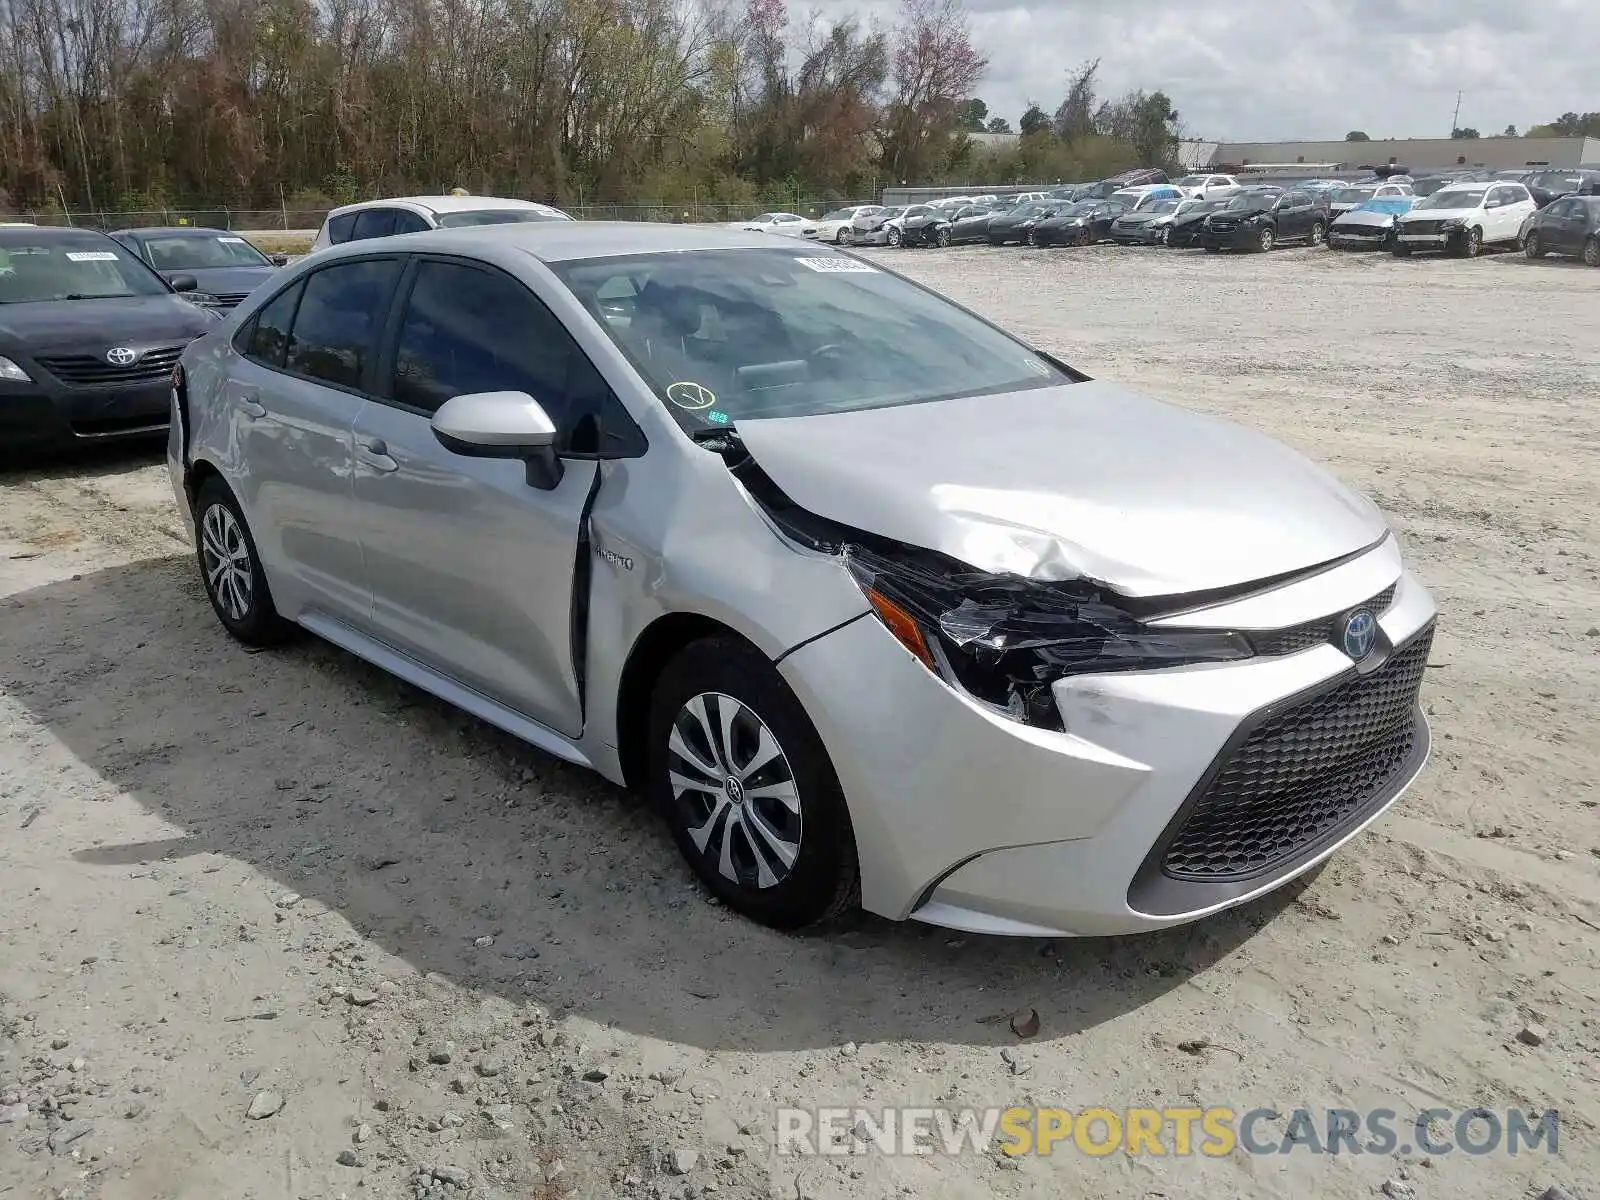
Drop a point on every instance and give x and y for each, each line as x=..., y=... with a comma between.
x=225, y=558
x=1318, y=234
x=1267, y=238
x=736, y=789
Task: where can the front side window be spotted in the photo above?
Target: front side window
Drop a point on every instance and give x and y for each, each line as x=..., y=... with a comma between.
x=373, y=223
x=88, y=266
x=336, y=327
x=467, y=329
x=728, y=335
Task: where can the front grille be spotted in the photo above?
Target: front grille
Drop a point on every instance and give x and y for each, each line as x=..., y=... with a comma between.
x=1322, y=631
x=1301, y=774
x=1361, y=231
x=230, y=299
x=1422, y=227
x=92, y=370
x=1223, y=226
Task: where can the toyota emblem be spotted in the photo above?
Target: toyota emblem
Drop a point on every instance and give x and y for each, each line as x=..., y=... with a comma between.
x=122, y=356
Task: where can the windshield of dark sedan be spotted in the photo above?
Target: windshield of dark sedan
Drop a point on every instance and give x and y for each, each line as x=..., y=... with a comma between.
x=1161, y=206
x=1354, y=195
x=499, y=216
x=196, y=252
x=1249, y=201
x=72, y=267
x=1453, y=198
x=726, y=335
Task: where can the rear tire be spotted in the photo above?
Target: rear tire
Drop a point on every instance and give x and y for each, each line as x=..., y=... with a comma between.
x=230, y=569
x=775, y=843
x=1319, y=233
x=1531, y=246
x=1591, y=252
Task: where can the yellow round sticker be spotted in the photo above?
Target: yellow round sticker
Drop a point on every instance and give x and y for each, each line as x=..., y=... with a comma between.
x=693, y=396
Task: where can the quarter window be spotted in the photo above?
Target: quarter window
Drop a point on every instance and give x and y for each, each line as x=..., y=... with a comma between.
x=269, y=332
x=337, y=324
x=340, y=227
x=469, y=330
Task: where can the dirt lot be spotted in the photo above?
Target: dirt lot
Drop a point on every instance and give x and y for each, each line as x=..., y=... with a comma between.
x=235, y=879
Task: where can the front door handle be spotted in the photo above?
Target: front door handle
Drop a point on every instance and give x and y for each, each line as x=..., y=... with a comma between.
x=376, y=455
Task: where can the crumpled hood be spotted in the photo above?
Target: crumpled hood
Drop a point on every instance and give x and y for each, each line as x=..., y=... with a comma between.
x=1080, y=481
x=1365, y=216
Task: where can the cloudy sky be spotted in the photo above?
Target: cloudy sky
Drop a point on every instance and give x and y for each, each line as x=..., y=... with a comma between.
x=1256, y=70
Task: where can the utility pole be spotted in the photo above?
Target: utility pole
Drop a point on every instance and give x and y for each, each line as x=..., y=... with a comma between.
x=1455, y=121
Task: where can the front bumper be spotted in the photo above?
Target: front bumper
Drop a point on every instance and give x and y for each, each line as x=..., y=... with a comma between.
x=1359, y=237
x=47, y=416
x=967, y=819
x=1427, y=241
x=1139, y=235
x=1244, y=237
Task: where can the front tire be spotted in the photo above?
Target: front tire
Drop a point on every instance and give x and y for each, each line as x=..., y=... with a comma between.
x=230, y=569
x=1319, y=233
x=842, y=238
x=747, y=788
x=943, y=237
x=1591, y=252
x=1266, y=239
x=1531, y=246
x=894, y=236
x=1470, y=243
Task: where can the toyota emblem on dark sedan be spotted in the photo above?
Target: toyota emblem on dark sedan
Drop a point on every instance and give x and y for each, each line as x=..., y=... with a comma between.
x=122, y=356
x=1360, y=631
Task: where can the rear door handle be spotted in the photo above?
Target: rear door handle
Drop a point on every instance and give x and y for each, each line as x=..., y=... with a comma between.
x=376, y=455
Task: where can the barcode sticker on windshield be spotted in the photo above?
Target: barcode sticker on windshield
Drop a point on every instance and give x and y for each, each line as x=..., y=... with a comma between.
x=831, y=265
x=235, y=241
x=91, y=256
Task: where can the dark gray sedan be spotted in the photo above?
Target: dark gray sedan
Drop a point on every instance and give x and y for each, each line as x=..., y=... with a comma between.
x=226, y=266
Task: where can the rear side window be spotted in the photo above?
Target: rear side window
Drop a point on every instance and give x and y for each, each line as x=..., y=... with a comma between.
x=406, y=221
x=267, y=338
x=340, y=227
x=337, y=324
x=467, y=329
x=373, y=223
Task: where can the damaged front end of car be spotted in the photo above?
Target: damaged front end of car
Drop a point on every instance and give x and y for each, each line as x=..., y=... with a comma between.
x=1002, y=639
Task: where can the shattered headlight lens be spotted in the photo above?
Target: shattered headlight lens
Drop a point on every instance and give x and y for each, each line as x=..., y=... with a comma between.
x=1005, y=639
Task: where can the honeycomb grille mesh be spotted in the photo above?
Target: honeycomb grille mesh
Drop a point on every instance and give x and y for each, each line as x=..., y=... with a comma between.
x=1302, y=773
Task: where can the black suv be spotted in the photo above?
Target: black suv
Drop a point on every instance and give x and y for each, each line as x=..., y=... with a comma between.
x=1260, y=220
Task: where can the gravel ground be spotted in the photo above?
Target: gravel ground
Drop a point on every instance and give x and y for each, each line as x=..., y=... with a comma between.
x=279, y=926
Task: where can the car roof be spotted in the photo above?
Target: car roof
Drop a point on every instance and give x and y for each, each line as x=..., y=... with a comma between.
x=32, y=234
x=569, y=241
x=445, y=204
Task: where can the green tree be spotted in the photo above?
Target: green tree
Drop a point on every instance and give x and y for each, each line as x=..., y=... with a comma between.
x=997, y=125
x=1356, y=135
x=1034, y=120
x=973, y=115
x=1467, y=134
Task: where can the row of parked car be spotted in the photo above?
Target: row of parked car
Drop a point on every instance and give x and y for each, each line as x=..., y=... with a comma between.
x=1542, y=212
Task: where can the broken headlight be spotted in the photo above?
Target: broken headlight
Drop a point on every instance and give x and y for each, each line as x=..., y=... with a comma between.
x=1005, y=639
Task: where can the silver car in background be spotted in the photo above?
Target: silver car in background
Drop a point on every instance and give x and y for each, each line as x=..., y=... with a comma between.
x=879, y=604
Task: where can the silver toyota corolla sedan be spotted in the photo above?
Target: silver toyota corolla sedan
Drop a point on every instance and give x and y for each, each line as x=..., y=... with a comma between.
x=879, y=604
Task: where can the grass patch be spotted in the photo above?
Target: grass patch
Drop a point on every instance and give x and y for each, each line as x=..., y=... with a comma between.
x=287, y=243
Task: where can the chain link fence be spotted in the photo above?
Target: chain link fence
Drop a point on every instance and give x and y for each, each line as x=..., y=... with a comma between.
x=298, y=219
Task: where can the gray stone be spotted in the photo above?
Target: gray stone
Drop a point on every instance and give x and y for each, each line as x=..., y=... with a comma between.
x=363, y=1133
x=1533, y=1034
x=453, y=1175
x=1398, y=1189
x=1554, y=1193
x=441, y=1054
x=488, y=1067
x=348, y=1158
x=63, y=1138
x=265, y=1104
x=681, y=1161
x=361, y=998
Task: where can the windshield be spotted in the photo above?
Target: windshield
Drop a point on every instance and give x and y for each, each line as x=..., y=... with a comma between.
x=1427, y=187
x=726, y=335
x=839, y=214
x=1453, y=198
x=84, y=267
x=1192, y=181
x=1555, y=181
x=499, y=216
x=1353, y=195
x=1251, y=201
x=1082, y=208
x=188, y=252
x=1161, y=206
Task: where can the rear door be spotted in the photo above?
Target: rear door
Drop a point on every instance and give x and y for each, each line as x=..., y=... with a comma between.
x=307, y=361
x=1561, y=226
x=1295, y=214
x=472, y=570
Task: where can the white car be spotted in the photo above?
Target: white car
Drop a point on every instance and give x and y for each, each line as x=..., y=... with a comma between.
x=835, y=226
x=1209, y=187
x=1465, y=217
x=786, y=224
x=414, y=214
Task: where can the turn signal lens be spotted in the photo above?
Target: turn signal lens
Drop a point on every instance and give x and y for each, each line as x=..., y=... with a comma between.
x=902, y=625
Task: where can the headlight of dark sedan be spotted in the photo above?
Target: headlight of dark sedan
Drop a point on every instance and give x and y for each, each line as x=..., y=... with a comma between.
x=1005, y=639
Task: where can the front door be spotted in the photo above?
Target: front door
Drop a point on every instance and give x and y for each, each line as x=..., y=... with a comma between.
x=471, y=569
x=293, y=398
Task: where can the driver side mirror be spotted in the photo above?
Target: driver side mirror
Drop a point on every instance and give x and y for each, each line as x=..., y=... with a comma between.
x=501, y=425
x=184, y=283
x=278, y=260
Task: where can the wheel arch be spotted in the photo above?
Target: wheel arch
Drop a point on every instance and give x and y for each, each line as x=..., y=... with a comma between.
x=657, y=644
